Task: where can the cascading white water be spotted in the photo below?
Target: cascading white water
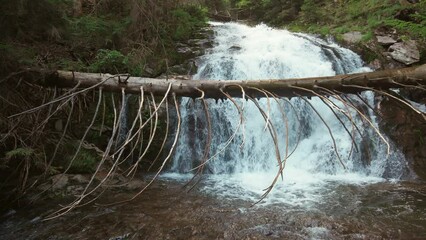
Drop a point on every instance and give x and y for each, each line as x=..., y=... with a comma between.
x=248, y=164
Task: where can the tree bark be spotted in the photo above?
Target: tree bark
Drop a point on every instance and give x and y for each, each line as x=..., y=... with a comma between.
x=350, y=83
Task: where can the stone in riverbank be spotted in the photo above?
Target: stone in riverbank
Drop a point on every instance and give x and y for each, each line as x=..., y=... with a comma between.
x=405, y=52
x=385, y=40
x=352, y=37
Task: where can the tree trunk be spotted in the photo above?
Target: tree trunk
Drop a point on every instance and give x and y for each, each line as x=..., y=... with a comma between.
x=350, y=83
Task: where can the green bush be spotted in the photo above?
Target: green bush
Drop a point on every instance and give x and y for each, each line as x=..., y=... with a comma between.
x=110, y=61
x=20, y=153
x=85, y=162
x=97, y=30
x=14, y=158
x=187, y=20
x=310, y=11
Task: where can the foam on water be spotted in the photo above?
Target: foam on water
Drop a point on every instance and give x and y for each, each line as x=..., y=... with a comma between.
x=249, y=164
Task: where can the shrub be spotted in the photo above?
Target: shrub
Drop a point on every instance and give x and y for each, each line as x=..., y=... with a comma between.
x=310, y=11
x=98, y=30
x=110, y=61
x=85, y=162
x=187, y=19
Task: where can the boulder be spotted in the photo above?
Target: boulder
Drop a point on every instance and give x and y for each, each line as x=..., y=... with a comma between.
x=375, y=64
x=134, y=185
x=79, y=179
x=59, y=181
x=385, y=40
x=185, y=50
x=405, y=52
x=352, y=37
x=203, y=43
x=235, y=48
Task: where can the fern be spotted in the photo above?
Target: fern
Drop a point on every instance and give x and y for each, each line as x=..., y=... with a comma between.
x=20, y=153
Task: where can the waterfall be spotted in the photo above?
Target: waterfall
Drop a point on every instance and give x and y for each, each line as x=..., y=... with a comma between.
x=249, y=162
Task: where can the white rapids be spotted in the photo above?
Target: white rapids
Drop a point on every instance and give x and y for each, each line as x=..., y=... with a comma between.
x=248, y=164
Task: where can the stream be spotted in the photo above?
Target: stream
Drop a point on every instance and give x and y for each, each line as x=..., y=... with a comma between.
x=367, y=194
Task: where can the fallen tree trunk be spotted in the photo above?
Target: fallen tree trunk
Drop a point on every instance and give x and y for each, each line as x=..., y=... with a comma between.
x=349, y=83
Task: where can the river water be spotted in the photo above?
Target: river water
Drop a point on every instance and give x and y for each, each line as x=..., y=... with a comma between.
x=370, y=195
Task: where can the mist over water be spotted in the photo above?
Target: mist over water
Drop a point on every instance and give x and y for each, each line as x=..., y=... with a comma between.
x=248, y=164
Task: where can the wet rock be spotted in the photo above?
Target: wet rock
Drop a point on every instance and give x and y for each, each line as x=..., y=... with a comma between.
x=352, y=37
x=202, y=43
x=180, y=45
x=59, y=181
x=74, y=190
x=185, y=69
x=80, y=179
x=235, y=48
x=375, y=64
x=184, y=50
x=134, y=185
x=189, y=52
x=385, y=40
x=405, y=52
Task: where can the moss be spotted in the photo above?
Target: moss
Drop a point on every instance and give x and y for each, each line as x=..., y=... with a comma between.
x=85, y=161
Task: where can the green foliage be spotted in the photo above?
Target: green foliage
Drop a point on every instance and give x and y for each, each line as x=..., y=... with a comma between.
x=339, y=17
x=88, y=25
x=187, y=20
x=243, y=3
x=12, y=56
x=20, y=153
x=310, y=11
x=407, y=27
x=114, y=61
x=341, y=30
x=110, y=61
x=85, y=162
x=14, y=157
x=368, y=36
x=98, y=30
